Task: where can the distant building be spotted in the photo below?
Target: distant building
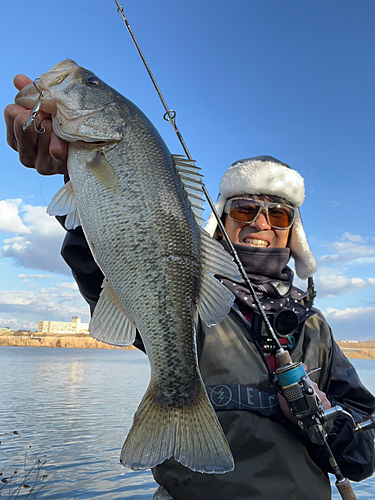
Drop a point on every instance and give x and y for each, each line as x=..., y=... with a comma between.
x=5, y=329
x=63, y=327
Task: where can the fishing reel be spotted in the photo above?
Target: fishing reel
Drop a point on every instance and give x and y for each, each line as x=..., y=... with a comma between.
x=303, y=401
x=307, y=408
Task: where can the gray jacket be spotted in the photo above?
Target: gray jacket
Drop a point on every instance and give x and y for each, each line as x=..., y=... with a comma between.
x=272, y=457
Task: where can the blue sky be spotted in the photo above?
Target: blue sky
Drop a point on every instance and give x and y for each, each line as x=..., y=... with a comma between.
x=290, y=79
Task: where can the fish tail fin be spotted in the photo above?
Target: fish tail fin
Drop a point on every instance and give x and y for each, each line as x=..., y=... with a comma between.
x=191, y=434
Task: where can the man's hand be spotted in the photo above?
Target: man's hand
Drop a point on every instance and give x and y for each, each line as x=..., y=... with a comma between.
x=44, y=152
x=321, y=395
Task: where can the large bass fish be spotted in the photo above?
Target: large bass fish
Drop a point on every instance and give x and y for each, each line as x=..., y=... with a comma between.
x=140, y=208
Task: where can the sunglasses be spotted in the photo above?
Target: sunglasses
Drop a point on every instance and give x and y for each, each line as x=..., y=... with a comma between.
x=246, y=211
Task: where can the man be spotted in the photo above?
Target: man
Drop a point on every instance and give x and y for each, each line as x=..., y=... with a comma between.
x=259, y=203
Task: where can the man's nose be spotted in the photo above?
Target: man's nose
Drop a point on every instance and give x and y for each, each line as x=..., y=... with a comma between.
x=261, y=222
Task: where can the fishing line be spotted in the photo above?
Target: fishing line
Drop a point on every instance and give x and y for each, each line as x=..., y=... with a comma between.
x=170, y=116
x=41, y=188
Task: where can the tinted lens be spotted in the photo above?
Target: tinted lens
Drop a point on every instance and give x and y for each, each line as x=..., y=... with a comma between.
x=280, y=216
x=243, y=210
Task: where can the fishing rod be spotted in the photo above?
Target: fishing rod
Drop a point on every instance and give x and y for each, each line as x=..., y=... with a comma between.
x=294, y=382
x=170, y=116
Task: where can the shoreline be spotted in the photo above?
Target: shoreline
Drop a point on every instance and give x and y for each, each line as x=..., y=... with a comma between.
x=80, y=341
x=362, y=349
x=358, y=350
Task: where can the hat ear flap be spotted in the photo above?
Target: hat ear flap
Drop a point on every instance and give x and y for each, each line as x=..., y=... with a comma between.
x=305, y=262
x=211, y=224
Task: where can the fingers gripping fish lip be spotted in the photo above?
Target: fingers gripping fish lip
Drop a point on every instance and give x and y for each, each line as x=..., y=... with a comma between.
x=28, y=96
x=62, y=92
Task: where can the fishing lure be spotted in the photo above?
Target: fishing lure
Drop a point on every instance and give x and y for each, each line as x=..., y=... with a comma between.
x=34, y=112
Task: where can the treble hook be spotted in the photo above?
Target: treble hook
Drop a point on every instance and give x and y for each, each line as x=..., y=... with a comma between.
x=34, y=112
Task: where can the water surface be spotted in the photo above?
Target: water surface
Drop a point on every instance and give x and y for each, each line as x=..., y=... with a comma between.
x=75, y=406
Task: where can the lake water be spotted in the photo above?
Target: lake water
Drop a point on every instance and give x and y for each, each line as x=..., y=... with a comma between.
x=75, y=406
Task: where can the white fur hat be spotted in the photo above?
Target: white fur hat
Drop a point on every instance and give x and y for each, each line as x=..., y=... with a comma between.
x=266, y=175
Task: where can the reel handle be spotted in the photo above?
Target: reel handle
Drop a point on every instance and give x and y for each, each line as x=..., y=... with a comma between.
x=306, y=406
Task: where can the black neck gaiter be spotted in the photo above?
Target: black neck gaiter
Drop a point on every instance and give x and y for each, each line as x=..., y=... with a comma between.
x=270, y=276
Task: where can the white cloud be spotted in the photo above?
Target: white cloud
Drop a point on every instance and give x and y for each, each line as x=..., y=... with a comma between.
x=72, y=286
x=354, y=237
x=355, y=323
x=51, y=303
x=10, y=220
x=37, y=240
x=350, y=249
x=332, y=282
x=37, y=219
x=25, y=278
x=365, y=260
x=349, y=313
x=16, y=324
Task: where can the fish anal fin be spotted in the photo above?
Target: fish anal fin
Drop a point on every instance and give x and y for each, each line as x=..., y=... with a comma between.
x=102, y=170
x=110, y=323
x=190, y=434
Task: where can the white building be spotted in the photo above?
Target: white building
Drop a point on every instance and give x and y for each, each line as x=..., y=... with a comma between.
x=63, y=327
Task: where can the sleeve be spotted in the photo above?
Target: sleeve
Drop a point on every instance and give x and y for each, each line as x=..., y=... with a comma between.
x=354, y=452
x=76, y=253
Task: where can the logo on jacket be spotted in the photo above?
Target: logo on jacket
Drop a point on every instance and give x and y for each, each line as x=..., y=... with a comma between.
x=220, y=395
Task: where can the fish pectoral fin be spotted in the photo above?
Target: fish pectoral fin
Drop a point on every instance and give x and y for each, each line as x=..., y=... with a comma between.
x=215, y=300
x=64, y=203
x=110, y=323
x=100, y=167
x=190, y=433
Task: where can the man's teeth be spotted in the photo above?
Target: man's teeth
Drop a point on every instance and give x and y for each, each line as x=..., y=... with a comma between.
x=255, y=242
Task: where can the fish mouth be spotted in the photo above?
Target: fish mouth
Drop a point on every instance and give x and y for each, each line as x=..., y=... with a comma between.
x=255, y=242
x=27, y=96
x=59, y=92
x=57, y=75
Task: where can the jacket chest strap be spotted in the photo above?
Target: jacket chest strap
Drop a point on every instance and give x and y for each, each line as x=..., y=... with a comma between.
x=244, y=397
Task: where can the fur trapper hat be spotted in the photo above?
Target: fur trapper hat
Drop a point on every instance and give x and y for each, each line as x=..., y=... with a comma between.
x=265, y=175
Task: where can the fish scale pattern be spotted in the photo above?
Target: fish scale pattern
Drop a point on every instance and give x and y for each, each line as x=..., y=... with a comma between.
x=140, y=209
x=149, y=250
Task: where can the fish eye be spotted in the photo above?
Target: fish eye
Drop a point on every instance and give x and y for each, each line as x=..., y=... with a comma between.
x=92, y=80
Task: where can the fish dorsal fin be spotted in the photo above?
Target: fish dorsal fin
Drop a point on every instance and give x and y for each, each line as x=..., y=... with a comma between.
x=64, y=203
x=100, y=167
x=215, y=300
x=110, y=323
x=190, y=177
